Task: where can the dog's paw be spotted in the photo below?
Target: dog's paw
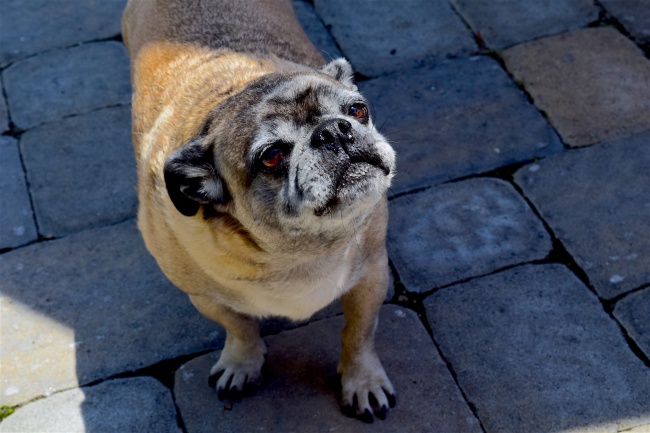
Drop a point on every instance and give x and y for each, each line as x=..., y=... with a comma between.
x=237, y=372
x=366, y=391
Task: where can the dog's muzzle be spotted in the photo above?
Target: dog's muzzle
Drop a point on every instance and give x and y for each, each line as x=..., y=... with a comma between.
x=336, y=135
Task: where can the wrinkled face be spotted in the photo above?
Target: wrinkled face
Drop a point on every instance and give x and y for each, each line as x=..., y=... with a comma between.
x=297, y=153
x=316, y=152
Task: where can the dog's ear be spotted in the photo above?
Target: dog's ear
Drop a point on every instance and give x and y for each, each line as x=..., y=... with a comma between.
x=192, y=179
x=340, y=70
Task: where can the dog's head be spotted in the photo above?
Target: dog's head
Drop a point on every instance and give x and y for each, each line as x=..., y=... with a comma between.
x=290, y=154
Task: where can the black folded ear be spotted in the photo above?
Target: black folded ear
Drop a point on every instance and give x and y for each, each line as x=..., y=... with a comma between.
x=192, y=179
x=340, y=70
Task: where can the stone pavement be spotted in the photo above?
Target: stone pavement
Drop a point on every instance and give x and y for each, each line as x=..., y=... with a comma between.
x=519, y=236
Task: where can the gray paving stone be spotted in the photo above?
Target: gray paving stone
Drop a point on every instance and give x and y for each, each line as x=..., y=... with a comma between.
x=140, y=404
x=508, y=22
x=594, y=84
x=459, y=118
x=316, y=30
x=81, y=171
x=462, y=230
x=64, y=82
x=86, y=307
x=534, y=351
x=4, y=114
x=17, y=227
x=634, y=15
x=45, y=24
x=300, y=392
x=596, y=202
x=388, y=36
x=633, y=312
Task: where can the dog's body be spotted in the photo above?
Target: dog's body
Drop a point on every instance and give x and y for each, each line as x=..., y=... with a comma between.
x=261, y=180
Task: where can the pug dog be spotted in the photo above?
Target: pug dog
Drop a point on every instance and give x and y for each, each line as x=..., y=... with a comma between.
x=262, y=181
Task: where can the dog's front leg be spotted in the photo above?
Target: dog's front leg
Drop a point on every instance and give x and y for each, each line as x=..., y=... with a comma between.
x=240, y=364
x=365, y=387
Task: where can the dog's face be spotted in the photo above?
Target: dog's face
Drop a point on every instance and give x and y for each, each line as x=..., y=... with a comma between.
x=290, y=155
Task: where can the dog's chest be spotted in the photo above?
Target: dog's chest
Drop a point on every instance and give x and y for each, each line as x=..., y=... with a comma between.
x=304, y=290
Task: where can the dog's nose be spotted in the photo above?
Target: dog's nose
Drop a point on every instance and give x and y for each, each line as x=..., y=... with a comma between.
x=334, y=134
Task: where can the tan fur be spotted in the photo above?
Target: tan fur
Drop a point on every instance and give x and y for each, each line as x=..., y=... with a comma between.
x=187, y=58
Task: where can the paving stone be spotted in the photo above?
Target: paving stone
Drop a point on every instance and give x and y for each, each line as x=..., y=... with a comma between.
x=17, y=227
x=64, y=82
x=48, y=24
x=459, y=118
x=86, y=307
x=632, y=312
x=596, y=202
x=4, y=114
x=509, y=22
x=534, y=351
x=81, y=171
x=316, y=30
x=388, y=36
x=594, y=84
x=462, y=230
x=300, y=391
x=634, y=15
x=140, y=404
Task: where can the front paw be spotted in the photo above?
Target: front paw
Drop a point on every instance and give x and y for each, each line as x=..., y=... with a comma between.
x=237, y=371
x=366, y=390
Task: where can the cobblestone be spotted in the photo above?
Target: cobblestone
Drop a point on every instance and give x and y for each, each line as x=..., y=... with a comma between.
x=81, y=171
x=595, y=201
x=593, y=84
x=88, y=307
x=461, y=230
x=460, y=118
x=632, y=312
x=507, y=22
x=529, y=344
x=123, y=405
x=633, y=14
x=64, y=82
x=17, y=226
x=48, y=24
x=379, y=38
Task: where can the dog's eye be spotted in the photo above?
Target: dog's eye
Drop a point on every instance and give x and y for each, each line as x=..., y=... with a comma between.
x=358, y=111
x=273, y=157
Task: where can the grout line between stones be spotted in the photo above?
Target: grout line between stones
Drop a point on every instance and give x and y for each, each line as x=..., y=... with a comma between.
x=43, y=239
x=116, y=38
x=16, y=134
x=415, y=303
x=560, y=254
x=607, y=19
x=73, y=115
x=613, y=301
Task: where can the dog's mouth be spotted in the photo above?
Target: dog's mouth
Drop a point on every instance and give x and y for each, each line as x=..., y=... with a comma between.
x=356, y=183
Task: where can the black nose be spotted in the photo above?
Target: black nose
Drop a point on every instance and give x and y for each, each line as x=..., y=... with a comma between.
x=335, y=134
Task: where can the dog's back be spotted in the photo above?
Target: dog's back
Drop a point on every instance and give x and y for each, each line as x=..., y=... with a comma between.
x=260, y=27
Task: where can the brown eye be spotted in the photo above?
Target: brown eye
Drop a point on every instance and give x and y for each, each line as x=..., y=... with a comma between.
x=359, y=112
x=273, y=157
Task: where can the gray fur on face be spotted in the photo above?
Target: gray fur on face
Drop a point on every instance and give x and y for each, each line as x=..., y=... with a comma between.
x=316, y=180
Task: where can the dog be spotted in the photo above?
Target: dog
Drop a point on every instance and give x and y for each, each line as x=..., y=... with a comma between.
x=262, y=181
